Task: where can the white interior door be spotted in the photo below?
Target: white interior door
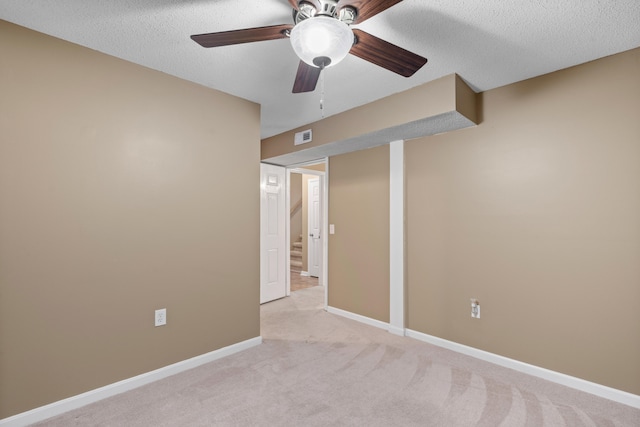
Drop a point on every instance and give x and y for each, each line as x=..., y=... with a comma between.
x=273, y=283
x=314, y=218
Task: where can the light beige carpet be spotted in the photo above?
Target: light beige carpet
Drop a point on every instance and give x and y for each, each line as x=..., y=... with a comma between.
x=318, y=369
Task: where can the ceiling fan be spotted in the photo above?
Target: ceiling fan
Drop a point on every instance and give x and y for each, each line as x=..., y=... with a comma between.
x=321, y=36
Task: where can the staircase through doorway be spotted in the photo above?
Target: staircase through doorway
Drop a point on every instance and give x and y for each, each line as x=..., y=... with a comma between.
x=299, y=281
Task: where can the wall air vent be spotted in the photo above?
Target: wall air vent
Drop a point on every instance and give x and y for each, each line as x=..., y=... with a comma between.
x=303, y=137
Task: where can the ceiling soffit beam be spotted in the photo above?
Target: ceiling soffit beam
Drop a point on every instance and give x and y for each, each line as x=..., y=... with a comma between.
x=438, y=106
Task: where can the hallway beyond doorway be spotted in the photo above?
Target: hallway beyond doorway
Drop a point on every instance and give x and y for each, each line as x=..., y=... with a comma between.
x=302, y=282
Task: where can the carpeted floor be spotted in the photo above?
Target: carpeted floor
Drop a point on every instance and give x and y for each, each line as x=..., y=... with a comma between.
x=318, y=369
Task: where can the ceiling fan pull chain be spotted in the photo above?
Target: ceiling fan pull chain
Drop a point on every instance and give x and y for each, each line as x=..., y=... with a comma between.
x=322, y=91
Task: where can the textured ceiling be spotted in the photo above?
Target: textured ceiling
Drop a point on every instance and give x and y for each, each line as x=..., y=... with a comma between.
x=489, y=43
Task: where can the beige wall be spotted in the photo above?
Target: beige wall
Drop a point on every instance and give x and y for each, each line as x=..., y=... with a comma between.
x=536, y=212
x=295, y=197
x=113, y=204
x=359, y=249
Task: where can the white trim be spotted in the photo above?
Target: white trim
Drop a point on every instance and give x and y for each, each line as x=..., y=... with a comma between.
x=303, y=171
x=397, y=331
x=396, y=237
x=304, y=273
x=302, y=165
x=74, y=402
x=358, y=318
x=616, y=395
x=287, y=231
x=325, y=236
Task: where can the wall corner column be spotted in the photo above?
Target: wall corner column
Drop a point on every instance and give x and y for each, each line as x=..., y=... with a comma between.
x=396, y=238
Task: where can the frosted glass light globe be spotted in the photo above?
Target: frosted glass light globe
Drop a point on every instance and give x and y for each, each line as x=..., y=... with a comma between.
x=321, y=41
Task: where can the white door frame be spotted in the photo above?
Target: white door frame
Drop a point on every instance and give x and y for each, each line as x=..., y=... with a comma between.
x=324, y=176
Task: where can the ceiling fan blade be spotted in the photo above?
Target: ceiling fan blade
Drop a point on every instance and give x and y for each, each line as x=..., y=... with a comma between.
x=306, y=78
x=248, y=35
x=385, y=54
x=366, y=8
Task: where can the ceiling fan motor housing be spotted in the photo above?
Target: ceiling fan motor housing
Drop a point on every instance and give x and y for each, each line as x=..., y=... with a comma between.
x=306, y=10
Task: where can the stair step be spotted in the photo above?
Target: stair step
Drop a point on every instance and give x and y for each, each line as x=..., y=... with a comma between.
x=296, y=255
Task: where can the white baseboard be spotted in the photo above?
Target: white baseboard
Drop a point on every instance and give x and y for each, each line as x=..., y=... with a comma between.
x=362, y=319
x=304, y=273
x=74, y=402
x=605, y=392
x=367, y=320
x=397, y=331
x=546, y=374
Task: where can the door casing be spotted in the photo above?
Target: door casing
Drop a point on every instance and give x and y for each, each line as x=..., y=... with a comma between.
x=324, y=177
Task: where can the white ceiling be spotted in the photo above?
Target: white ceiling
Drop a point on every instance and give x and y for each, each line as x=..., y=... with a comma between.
x=489, y=43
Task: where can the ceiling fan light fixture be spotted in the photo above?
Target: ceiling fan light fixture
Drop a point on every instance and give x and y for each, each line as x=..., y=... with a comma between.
x=321, y=41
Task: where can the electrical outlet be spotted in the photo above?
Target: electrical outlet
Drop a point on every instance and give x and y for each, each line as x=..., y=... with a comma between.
x=161, y=317
x=475, y=308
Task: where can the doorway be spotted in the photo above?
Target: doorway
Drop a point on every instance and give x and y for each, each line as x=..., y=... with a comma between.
x=307, y=198
x=284, y=195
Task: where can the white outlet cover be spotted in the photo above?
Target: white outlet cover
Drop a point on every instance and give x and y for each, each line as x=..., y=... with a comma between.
x=161, y=317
